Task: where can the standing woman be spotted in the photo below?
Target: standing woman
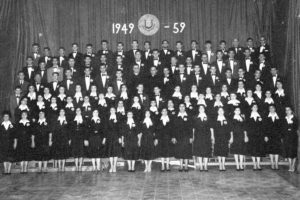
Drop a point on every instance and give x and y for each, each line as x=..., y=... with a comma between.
x=61, y=139
x=25, y=141
x=43, y=142
x=183, y=137
x=203, y=138
x=7, y=142
x=78, y=139
x=290, y=137
x=256, y=137
x=222, y=138
x=273, y=136
x=97, y=140
x=131, y=140
x=239, y=139
x=148, y=141
x=113, y=139
x=164, y=136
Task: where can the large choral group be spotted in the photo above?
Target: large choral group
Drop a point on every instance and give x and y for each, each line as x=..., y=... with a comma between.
x=145, y=104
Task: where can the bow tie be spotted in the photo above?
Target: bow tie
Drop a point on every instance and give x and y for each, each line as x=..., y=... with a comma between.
x=87, y=76
x=119, y=79
x=103, y=74
x=247, y=58
x=17, y=96
x=231, y=59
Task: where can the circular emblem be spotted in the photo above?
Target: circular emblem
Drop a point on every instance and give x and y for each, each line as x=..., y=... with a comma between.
x=148, y=24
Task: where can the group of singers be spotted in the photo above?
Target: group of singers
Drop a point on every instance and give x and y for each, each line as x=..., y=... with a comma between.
x=149, y=104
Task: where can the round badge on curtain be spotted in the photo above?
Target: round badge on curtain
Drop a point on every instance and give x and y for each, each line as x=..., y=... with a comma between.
x=148, y=24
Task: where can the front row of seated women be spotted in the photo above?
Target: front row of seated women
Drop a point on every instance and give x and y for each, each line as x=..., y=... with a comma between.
x=177, y=135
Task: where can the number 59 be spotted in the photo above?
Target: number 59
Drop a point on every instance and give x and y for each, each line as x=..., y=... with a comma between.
x=178, y=27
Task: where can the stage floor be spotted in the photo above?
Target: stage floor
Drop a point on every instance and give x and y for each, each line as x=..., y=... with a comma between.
x=266, y=184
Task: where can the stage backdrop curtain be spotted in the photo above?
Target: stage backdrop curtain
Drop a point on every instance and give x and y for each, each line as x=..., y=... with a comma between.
x=55, y=23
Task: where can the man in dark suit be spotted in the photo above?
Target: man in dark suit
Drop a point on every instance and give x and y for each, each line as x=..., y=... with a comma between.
x=222, y=47
x=118, y=81
x=62, y=58
x=43, y=72
x=152, y=80
x=197, y=79
x=204, y=65
x=69, y=83
x=264, y=48
x=158, y=97
x=147, y=54
x=46, y=57
x=76, y=74
x=14, y=101
x=102, y=80
x=179, y=53
x=120, y=65
x=174, y=66
x=21, y=83
x=211, y=56
x=54, y=85
x=120, y=53
x=264, y=66
x=220, y=64
x=39, y=86
x=233, y=63
x=189, y=67
x=256, y=80
x=253, y=50
x=165, y=53
x=194, y=53
x=130, y=55
x=272, y=80
x=29, y=70
x=77, y=56
x=86, y=81
x=144, y=70
x=105, y=51
x=143, y=96
x=213, y=81
x=167, y=83
x=35, y=54
x=183, y=80
x=156, y=62
x=134, y=79
x=229, y=81
x=248, y=64
x=238, y=50
x=55, y=68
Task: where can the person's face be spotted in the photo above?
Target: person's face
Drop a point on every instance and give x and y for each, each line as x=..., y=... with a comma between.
x=218, y=97
x=41, y=115
x=147, y=114
x=69, y=100
x=164, y=112
x=258, y=88
x=213, y=70
x=197, y=68
x=124, y=88
x=181, y=68
x=87, y=60
x=272, y=109
x=71, y=62
x=53, y=100
x=273, y=71
x=95, y=113
x=262, y=41
x=249, y=93
x=78, y=88
x=201, y=109
x=156, y=90
x=219, y=55
x=288, y=111
x=89, y=49
x=194, y=88
x=235, y=43
x=237, y=111
x=119, y=74
x=173, y=61
x=18, y=91
x=135, y=99
x=153, y=70
x=29, y=61
x=221, y=111
x=136, y=69
x=208, y=90
x=104, y=45
x=170, y=104
x=137, y=55
x=62, y=113
x=61, y=90
x=231, y=54
x=134, y=45
x=181, y=108
x=61, y=52
x=24, y=115
x=35, y=48
x=247, y=53
x=241, y=72
x=178, y=46
x=155, y=54
x=208, y=46
x=21, y=76
x=268, y=94
x=68, y=73
x=147, y=46
x=78, y=111
x=74, y=48
x=55, y=77
x=31, y=89
x=102, y=69
x=140, y=88
x=112, y=110
x=86, y=99
x=55, y=61
x=87, y=71
x=204, y=58
x=6, y=117
x=103, y=58
x=119, y=59
x=257, y=74
x=232, y=96
x=194, y=45
x=261, y=57
x=42, y=66
x=165, y=45
x=279, y=85
x=250, y=43
x=222, y=45
x=120, y=47
x=188, y=60
x=46, y=52
x=120, y=104
x=109, y=89
x=40, y=98
x=130, y=115
x=255, y=108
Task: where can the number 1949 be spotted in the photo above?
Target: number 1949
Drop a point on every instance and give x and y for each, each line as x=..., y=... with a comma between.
x=125, y=28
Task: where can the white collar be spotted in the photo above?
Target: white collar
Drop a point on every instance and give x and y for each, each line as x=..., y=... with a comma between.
x=269, y=100
x=136, y=105
x=238, y=118
x=202, y=116
x=280, y=92
x=113, y=117
x=24, y=121
x=218, y=104
x=148, y=122
x=165, y=119
x=201, y=102
x=130, y=121
x=41, y=121
x=69, y=105
x=254, y=115
x=221, y=118
x=96, y=119
x=7, y=124
x=273, y=116
x=78, y=119
x=177, y=94
x=289, y=119
x=102, y=102
x=182, y=115
x=234, y=102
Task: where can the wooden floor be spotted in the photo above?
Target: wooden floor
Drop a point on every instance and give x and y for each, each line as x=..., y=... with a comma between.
x=266, y=184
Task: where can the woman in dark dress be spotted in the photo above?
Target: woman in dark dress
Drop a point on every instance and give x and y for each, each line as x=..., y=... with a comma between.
x=121, y=111
x=131, y=140
x=23, y=107
x=87, y=108
x=281, y=99
x=290, y=137
x=137, y=109
x=97, y=140
x=148, y=141
x=113, y=139
x=102, y=106
x=256, y=137
x=61, y=97
x=43, y=142
x=69, y=109
x=124, y=96
x=94, y=96
x=79, y=139
x=7, y=142
x=183, y=137
x=222, y=137
x=273, y=136
x=240, y=138
x=164, y=136
x=110, y=97
x=203, y=138
x=61, y=140
x=25, y=141
x=52, y=111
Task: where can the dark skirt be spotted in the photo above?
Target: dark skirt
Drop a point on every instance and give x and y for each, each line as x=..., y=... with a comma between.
x=147, y=148
x=183, y=149
x=96, y=149
x=290, y=145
